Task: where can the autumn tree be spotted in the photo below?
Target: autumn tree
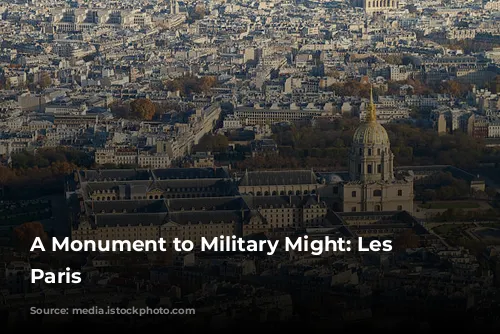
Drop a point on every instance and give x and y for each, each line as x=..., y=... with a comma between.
x=198, y=12
x=143, y=109
x=354, y=88
x=188, y=85
x=453, y=88
x=207, y=83
x=25, y=234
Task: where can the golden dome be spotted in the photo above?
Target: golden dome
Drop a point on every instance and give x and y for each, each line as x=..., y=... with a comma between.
x=371, y=132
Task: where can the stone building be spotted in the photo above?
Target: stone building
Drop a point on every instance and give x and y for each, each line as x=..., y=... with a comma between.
x=279, y=183
x=372, y=184
x=376, y=6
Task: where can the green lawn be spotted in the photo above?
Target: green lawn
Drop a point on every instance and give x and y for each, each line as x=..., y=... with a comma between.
x=450, y=205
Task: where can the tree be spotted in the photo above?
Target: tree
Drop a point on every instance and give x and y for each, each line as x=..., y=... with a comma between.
x=25, y=234
x=143, y=109
x=187, y=85
x=45, y=80
x=207, y=83
x=453, y=88
x=393, y=59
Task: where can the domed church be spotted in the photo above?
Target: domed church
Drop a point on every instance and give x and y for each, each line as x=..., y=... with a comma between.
x=372, y=185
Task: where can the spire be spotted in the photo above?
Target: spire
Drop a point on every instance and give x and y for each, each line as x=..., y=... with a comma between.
x=371, y=113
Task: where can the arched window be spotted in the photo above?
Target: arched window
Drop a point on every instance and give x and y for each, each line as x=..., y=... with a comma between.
x=377, y=207
x=377, y=193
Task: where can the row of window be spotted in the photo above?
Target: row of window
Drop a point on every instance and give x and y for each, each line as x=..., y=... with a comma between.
x=369, y=169
x=377, y=193
x=370, y=151
x=283, y=193
x=377, y=208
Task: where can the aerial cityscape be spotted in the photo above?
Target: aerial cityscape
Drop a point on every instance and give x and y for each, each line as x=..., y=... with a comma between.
x=263, y=120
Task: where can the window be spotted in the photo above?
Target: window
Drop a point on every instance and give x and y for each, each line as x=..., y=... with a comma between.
x=400, y=192
x=369, y=169
x=377, y=193
x=369, y=151
x=359, y=168
x=360, y=151
x=353, y=209
x=377, y=207
x=353, y=194
x=400, y=207
x=378, y=151
x=379, y=168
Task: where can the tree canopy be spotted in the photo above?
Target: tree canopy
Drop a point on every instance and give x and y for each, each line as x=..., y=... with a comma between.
x=326, y=146
x=142, y=109
x=41, y=173
x=25, y=234
x=191, y=85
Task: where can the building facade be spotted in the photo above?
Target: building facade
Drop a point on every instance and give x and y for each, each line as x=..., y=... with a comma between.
x=372, y=185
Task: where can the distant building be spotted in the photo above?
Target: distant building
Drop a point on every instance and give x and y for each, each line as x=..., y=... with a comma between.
x=441, y=124
x=376, y=6
x=203, y=159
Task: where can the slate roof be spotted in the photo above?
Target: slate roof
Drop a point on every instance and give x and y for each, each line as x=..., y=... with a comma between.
x=190, y=173
x=265, y=178
x=115, y=174
x=132, y=219
x=205, y=217
x=207, y=203
x=127, y=206
x=281, y=201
